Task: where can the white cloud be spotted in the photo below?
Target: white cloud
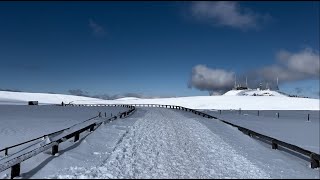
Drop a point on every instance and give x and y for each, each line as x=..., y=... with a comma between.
x=226, y=13
x=306, y=61
x=97, y=29
x=294, y=66
x=204, y=78
x=289, y=67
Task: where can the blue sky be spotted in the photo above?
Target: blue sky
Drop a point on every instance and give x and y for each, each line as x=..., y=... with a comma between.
x=154, y=48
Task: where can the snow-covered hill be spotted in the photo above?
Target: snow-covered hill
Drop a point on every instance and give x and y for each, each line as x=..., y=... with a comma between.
x=128, y=98
x=253, y=92
x=245, y=102
x=7, y=97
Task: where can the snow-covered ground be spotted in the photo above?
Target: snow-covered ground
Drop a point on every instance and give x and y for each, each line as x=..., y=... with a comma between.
x=21, y=98
x=163, y=143
x=233, y=99
x=291, y=126
x=22, y=123
x=231, y=102
x=92, y=149
x=277, y=102
x=253, y=92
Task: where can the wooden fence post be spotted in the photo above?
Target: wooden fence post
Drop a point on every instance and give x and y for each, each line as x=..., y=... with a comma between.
x=308, y=117
x=258, y=112
x=6, y=152
x=15, y=170
x=278, y=115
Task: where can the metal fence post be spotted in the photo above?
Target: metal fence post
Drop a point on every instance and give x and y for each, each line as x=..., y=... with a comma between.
x=55, y=149
x=92, y=128
x=313, y=161
x=76, y=136
x=15, y=170
x=274, y=144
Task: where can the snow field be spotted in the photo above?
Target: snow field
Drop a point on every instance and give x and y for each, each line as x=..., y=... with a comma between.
x=164, y=144
x=22, y=98
x=22, y=123
x=232, y=100
x=292, y=126
x=90, y=150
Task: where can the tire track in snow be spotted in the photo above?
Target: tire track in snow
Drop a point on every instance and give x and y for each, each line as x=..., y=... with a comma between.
x=165, y=144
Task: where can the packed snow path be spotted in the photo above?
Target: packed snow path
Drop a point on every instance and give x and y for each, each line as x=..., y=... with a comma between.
x=166, y=144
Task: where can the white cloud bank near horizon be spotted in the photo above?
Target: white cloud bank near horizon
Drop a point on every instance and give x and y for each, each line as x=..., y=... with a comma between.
x=288, y=67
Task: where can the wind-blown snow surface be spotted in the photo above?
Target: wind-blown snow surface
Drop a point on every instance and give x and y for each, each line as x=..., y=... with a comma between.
x=165, y=143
